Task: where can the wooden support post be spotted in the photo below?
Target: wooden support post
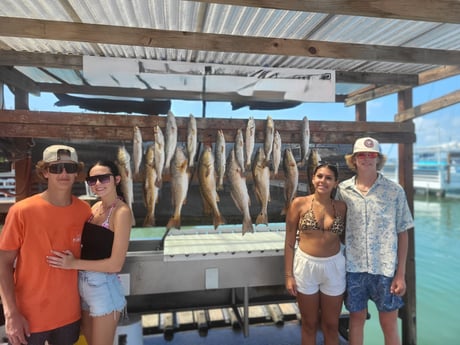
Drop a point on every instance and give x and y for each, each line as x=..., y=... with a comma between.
x=23, y=169
x=2, y=97
x=406, y=179
x=21, y=99
x=361, y=112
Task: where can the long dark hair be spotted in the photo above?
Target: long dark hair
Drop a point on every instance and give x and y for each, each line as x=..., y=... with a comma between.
x=113, y=170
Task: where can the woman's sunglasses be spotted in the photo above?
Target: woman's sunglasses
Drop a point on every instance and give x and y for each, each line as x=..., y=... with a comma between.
x=70, y=168
x=92, y=180
x=367, y=155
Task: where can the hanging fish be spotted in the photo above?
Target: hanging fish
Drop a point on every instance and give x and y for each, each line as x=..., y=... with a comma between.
x=276, y=152
x=250, y=140
x=192, y=144
x=151, y=190
x=124, y=166
x=269, y=135
x=207, y=179
x=305, y=144
x=137, y=149
x=220, y=156
x=291, y=180
x=239, y=149
x=170, y=140
x=179, y=186
x=159, y=160
x=239, y=191
x=261, y=175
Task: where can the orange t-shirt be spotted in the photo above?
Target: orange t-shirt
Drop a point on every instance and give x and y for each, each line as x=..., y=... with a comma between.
x=47, y=297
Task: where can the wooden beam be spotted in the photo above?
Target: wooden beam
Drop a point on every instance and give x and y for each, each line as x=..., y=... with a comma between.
x=16, y=79
x=110, y=34
x=444, y=11
x=426, y=77
x=94, y=127
x=438, y=73
x=46, y=60
x=374, y=93
x=428, y=107
x=376, y=78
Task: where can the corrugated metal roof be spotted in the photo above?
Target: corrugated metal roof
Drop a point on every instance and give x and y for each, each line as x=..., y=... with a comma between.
x=225, y=19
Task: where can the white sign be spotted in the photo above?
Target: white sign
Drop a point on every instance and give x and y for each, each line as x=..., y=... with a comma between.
x=259, y=83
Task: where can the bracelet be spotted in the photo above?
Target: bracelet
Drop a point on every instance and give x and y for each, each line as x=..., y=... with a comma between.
x=287, y=275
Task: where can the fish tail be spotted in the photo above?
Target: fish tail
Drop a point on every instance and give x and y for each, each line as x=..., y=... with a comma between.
x=218, y=220
x=158, y=182
x=174, y=222
x=247, y=225
x=262, y=218
x=149, y=221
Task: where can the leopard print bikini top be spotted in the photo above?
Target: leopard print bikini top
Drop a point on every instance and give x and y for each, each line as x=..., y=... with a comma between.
x=308, y=222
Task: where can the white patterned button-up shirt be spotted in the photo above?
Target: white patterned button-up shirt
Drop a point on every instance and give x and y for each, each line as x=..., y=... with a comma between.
x=373, y=223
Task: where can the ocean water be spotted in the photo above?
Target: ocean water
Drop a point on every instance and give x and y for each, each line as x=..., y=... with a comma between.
x=437, y=249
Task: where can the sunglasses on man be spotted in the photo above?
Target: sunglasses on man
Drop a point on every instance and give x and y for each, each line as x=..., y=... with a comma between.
x=70, y=168
x=363, y=155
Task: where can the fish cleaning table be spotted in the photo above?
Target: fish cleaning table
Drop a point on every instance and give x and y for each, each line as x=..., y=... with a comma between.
x=206, y=268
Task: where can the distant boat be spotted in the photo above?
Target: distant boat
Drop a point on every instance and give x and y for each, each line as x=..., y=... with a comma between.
x=436, y=169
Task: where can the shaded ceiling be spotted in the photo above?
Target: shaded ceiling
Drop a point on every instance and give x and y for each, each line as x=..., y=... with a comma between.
x=375, y=48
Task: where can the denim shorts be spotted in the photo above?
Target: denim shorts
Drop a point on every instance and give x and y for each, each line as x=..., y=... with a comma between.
x=101, y=293
x=362, y=287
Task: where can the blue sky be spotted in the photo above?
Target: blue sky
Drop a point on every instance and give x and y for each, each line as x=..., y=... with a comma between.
x=438, y=127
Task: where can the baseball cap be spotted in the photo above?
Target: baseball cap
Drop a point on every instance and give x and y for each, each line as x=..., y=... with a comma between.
x=366, y=144
x=53, y=153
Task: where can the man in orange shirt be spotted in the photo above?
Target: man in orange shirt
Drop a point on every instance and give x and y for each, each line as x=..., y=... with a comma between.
x=42, y=303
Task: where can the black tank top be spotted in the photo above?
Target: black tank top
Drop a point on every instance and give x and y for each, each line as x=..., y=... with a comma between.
x=96, y=242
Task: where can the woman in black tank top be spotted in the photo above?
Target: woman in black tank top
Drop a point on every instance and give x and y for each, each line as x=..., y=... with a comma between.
x=104, y=242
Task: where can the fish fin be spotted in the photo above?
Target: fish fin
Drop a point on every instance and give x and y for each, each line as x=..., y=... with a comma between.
x=247, y=226
x=173, y=223
x=262, y=218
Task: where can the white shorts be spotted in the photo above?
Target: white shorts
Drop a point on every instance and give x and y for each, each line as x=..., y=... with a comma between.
x=313, y=274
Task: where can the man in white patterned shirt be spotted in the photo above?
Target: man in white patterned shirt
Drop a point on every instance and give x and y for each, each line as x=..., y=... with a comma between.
x=376, y=240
